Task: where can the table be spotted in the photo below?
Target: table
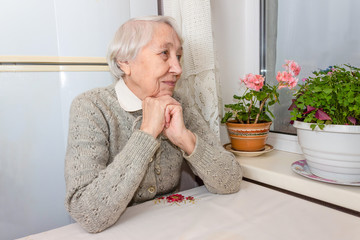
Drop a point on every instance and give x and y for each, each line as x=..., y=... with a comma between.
x=255, y=213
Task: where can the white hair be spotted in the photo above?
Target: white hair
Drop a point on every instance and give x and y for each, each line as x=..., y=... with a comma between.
x=131, y=37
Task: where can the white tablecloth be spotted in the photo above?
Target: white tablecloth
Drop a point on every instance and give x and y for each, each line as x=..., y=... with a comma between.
x=254, y=213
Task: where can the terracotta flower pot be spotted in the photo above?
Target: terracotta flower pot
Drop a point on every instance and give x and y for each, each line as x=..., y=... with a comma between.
x=248, y=137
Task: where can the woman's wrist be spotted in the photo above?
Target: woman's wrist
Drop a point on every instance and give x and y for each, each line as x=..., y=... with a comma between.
x=187, y=142
x=149, y=131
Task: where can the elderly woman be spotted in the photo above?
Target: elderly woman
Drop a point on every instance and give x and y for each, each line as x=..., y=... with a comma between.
x=127, y=141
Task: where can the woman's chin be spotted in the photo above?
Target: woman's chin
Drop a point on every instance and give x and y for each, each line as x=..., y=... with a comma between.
x=165, y=93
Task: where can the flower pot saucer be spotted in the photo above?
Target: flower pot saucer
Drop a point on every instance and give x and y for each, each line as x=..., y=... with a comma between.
x=301, y=168
x=268, y=148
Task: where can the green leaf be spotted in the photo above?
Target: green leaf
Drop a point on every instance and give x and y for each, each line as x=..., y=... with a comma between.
x=317, y=89
x=237, y=97
x=328, y=90
x=226, y=117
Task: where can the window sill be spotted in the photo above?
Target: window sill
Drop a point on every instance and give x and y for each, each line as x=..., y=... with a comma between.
x=274, y=169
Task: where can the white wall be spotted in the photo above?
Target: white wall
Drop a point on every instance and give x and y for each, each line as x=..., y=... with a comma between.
x=236, y=33
x=65, y=27
x=33, y=126
x=34, y=106
x=59, y=27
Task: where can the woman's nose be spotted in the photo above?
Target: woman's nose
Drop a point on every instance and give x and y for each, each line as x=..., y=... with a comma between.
x=175, y=66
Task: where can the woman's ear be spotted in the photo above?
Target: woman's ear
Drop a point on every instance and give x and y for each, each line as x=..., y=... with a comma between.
x=125, y=67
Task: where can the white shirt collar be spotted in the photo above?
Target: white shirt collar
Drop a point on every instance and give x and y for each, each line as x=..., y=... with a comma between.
x=127, y=99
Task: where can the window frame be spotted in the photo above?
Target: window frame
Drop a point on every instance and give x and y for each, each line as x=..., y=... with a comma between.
x=280, y=141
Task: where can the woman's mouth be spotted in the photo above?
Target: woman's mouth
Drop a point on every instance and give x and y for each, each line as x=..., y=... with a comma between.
x=170, y=83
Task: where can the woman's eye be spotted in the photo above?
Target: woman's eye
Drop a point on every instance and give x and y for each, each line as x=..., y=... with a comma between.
x=178, y=57
x=166, y=52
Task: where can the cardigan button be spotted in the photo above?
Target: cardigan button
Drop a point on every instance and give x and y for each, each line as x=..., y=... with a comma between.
x=151, y=189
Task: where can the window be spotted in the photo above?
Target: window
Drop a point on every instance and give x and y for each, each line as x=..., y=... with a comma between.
x=316, y=34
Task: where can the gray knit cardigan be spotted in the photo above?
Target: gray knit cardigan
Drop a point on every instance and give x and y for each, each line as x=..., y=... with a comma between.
x=110, y=164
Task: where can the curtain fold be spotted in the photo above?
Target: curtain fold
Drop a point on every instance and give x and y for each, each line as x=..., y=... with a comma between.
x=198, y=80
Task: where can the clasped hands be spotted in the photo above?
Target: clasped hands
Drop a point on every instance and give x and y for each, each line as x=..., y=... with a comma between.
x=164, y=115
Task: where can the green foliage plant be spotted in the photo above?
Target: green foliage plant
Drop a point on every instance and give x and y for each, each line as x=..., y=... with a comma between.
x=330, y=96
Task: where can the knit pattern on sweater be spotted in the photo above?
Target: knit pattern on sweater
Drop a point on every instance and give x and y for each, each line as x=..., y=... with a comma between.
x=110, y=164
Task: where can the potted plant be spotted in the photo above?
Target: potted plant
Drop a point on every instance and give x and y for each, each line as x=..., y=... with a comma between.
x=326, y=114
x=247, y=120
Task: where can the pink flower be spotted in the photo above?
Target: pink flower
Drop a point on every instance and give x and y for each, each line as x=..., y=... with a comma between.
x=292, y=67
x=286, y=79
x=253, y=81
x=293, y=83
x=282, y=76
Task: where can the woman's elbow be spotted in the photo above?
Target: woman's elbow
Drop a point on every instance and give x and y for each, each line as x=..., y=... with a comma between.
x=92, y=219
x=91, y=222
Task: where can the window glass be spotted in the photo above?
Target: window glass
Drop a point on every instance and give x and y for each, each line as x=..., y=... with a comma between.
x=315, y=34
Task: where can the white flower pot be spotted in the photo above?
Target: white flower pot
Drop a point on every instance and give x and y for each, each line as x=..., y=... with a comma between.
x=332, y=153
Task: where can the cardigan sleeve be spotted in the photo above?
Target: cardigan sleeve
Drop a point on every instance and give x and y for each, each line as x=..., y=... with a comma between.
x=218, y=168
x=97, y=191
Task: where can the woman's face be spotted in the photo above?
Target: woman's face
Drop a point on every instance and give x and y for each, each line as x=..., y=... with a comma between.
x=156, y=68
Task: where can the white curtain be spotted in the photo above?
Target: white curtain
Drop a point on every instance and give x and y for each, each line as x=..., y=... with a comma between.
x=198, y=80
